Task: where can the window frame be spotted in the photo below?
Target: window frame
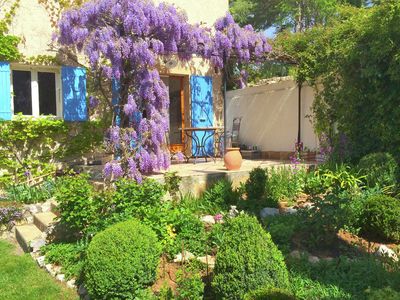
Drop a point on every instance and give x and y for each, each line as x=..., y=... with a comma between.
x=35, y=88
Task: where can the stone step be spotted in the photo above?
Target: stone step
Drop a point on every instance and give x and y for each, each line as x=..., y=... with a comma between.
x=95, y=172
x=25, y=234
x=44, y=220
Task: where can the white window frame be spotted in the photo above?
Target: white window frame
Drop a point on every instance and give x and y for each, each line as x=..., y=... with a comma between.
x=35, y=87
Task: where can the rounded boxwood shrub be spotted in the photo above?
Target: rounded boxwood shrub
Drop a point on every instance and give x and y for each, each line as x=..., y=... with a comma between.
x=380, y=217
x=380, y=169
x=246, y=260
x=121, y=261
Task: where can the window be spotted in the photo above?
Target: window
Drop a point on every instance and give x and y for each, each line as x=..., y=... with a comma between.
x=35, y=91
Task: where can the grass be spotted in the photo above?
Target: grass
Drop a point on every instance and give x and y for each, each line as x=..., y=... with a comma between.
x=20, y=278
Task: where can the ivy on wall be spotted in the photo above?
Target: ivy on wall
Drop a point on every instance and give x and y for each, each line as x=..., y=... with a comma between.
x=30, y=147
x=8, y=43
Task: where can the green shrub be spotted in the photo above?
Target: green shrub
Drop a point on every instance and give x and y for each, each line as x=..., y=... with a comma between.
x=283, y=184
x=386, y=293
x=27, y=194
x=268, y=293
x=381, y=218
x=219, y=197
x=379, y=169
x=256, y=189
x=189, y=283
x=171, y=183
x=121, y=261
x=70, y=256
x=282, y=229
x=77, y=207
x=246, y=260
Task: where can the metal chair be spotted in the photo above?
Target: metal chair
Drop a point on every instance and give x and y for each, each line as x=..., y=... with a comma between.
x=235, y=142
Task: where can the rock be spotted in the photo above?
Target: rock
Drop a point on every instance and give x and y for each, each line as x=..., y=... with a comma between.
x=328, y=258
x=60, y=277
x=37, y=244
x=385, y=251
x=82, y=291
x=186, y=256
x=308, y=205
x=41, y=261
x=207, y=260
x=208, y=219
x=313, y=259
x=167, y=197
x=269, y=211
x=46, y=207
x=295, y=254
x=50, y=268
x=233, y=212
x=290, y=210
x=71, y=284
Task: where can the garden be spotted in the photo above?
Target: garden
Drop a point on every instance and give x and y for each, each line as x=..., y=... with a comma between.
x=327, y=232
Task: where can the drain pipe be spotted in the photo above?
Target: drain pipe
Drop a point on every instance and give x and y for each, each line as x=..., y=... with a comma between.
x=299, y=86
x=224, y=96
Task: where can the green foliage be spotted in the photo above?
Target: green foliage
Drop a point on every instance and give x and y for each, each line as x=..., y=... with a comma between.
x=355, y=72
x=189, y=284
x=380, y=170
x=35, y=144
x=341, y=278
x=76, y=203
x=24, y=193
x=9, y=48
x=256, y=189
x=246, y=260
x=122, y=261
x=268, y=293
x=70, y=256
x=380, y=218
x=267, y=187
x=219, y=197
x=386, y=293
x=282, y=229
x=171, y=183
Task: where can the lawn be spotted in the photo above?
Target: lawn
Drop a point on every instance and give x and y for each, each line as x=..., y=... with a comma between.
x=20, y=278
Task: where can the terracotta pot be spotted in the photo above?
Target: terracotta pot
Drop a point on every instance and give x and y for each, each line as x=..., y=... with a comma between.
x=233, y=159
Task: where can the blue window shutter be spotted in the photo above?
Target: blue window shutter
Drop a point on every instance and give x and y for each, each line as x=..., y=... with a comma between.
x=5, y=92
x=74, y=93
x=202, y=108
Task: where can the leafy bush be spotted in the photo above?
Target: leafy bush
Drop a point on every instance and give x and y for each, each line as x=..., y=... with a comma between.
x=121, y=261
x=282, y=229
x=381, y=218
x=256, y=189
x=283, y=184
x=171, y=183
x=75, y=200
x=386, y=293
x=189, y=283
x=219, y=197
x=246, y=260
x=268, y=293
x=314, y=184
x=70, y=256
x=9, y=214
x=27, y=194
x=379, y=169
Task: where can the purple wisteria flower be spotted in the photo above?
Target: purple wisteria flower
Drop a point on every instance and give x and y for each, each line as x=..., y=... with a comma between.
x=123, y=41
x=93, y=102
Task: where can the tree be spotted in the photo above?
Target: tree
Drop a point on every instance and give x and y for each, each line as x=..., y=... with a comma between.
x=123, y=41
x=296, y=15
x=354, y=66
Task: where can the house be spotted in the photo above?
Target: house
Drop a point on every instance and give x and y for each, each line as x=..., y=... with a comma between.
x=36, y=89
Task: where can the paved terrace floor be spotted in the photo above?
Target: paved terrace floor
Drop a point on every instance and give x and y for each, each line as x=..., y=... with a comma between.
x=197, y=177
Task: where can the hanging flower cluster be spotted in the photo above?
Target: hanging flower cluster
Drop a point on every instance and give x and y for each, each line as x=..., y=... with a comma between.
x=123, y=40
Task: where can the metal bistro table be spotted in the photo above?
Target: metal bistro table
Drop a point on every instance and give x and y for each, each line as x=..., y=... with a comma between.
x=200, y=150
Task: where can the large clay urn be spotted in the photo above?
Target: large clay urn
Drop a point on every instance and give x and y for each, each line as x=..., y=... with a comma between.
x=233, y=159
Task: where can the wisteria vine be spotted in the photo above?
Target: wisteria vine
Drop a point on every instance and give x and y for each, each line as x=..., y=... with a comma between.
x=123, y=41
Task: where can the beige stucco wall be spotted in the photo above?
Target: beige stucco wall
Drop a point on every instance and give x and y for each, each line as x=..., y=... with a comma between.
x=270, y=115
x=201, y=11
x=32, y=24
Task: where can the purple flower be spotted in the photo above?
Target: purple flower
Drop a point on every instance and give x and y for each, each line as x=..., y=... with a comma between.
x=93, y=102
x=218, y=218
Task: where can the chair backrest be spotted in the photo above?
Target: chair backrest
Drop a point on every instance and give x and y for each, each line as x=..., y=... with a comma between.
x=236, y=129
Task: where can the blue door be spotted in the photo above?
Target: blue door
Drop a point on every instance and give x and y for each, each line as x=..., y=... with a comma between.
x=202, y=110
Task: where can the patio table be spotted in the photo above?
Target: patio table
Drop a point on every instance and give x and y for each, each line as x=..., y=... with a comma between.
x=200, y=142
